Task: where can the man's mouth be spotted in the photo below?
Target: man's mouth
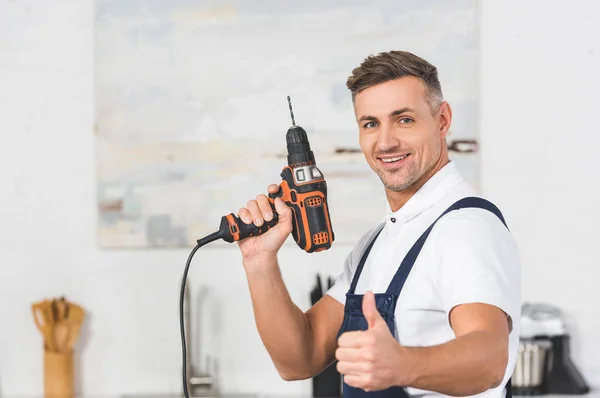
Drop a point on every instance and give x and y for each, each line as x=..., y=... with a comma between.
x=393, y=161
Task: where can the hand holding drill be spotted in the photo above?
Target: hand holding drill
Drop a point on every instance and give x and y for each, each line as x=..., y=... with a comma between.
x=300, y=200
x=259, y=212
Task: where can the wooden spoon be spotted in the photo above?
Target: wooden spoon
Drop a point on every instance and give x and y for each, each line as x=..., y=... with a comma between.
x=74, y=321
x=43, y=320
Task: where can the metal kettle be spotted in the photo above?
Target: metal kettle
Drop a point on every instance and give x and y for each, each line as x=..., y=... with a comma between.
x=544, y=364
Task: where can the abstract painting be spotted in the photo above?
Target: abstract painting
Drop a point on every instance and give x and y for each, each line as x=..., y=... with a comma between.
x=192, y=112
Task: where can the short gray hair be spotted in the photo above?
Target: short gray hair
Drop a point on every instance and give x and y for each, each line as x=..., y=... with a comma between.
x=383, y=67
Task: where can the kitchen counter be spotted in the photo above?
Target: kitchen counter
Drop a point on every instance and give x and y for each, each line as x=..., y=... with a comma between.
x=591, y=394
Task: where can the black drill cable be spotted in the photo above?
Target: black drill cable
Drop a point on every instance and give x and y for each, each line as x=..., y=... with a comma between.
x=201, y=242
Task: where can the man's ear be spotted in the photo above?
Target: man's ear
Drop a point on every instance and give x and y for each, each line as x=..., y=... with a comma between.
x=444, y=118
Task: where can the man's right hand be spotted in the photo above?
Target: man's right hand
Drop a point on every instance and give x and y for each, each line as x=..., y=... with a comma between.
x=257, y=211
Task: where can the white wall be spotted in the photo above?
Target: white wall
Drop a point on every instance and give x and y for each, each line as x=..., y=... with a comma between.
x=538, y=134
x=540, y=107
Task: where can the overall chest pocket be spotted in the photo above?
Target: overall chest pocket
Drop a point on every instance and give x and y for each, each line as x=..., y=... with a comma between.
x=354, y=318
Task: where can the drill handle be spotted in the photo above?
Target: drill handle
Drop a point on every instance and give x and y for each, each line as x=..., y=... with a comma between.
x=232, y=228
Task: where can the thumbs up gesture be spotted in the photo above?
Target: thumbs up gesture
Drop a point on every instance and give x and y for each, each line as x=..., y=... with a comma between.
x=371, y=359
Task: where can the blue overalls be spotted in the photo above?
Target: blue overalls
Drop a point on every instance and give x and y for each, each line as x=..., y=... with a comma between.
x=386, y=302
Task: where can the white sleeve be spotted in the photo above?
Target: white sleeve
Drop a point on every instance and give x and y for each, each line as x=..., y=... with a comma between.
x=344, y=279
x=478, y=262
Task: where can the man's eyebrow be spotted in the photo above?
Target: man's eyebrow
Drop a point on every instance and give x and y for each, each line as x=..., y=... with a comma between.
x=401, y=111
x=394, y=113
x=367, y=117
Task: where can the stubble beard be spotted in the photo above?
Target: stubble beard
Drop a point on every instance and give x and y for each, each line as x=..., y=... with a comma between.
x=412, y=173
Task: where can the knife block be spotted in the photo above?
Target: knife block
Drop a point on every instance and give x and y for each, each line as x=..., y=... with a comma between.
x=59, y=379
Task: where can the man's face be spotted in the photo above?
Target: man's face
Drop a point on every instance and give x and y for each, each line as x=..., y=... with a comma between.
x=400, y=137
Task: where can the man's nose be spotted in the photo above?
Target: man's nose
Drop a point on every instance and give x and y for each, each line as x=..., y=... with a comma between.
x=387, y=138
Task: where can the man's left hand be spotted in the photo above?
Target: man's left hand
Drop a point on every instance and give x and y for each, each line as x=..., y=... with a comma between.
x=372, y=359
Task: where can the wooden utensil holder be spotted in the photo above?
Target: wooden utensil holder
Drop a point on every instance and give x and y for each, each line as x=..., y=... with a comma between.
x=59, y=379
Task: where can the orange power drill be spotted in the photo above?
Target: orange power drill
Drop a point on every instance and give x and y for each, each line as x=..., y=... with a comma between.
x=303, y=189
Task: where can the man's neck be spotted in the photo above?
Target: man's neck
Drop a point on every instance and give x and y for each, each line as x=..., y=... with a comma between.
x=399, y=199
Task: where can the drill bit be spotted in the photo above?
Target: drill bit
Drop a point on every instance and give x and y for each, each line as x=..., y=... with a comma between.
x=291, y=111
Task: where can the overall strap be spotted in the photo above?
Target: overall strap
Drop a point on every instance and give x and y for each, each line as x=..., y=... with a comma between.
x=362, y=263
x=397, y=283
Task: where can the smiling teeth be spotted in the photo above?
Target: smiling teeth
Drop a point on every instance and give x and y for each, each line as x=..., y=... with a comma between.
x=394, y=159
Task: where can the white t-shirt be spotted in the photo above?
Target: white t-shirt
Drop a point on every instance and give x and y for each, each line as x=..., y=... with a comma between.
x=469, y=256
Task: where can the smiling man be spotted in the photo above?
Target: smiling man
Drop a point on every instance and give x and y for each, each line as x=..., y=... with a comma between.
x=426, y=301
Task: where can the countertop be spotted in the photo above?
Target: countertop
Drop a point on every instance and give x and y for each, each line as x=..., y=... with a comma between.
x=591, y=394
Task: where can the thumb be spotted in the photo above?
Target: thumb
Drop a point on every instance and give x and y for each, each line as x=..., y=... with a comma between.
x=370, y=310
x=284, y=211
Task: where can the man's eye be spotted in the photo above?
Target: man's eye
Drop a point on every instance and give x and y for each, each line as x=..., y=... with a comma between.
x=405, y=120
x=369, y=125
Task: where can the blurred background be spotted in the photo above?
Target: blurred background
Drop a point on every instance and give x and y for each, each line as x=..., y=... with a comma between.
x=129, y=127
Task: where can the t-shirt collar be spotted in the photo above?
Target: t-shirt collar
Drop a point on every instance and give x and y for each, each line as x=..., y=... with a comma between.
x=428, y=195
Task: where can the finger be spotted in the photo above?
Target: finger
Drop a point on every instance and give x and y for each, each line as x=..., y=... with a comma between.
x=265, y=207
x=348, y=354
x=359, y=381
x=255, y=212
x=370, y=311
x=245, y=215
x=282, y=209
x=273, y=188
x=356, y=339
x=354, y=368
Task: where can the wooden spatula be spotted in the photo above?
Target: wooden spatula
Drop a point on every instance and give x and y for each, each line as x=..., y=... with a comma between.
x=74, y=322
x=43, y=320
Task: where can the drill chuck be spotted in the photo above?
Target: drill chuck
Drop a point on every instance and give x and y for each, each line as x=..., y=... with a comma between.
x=298, y=146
